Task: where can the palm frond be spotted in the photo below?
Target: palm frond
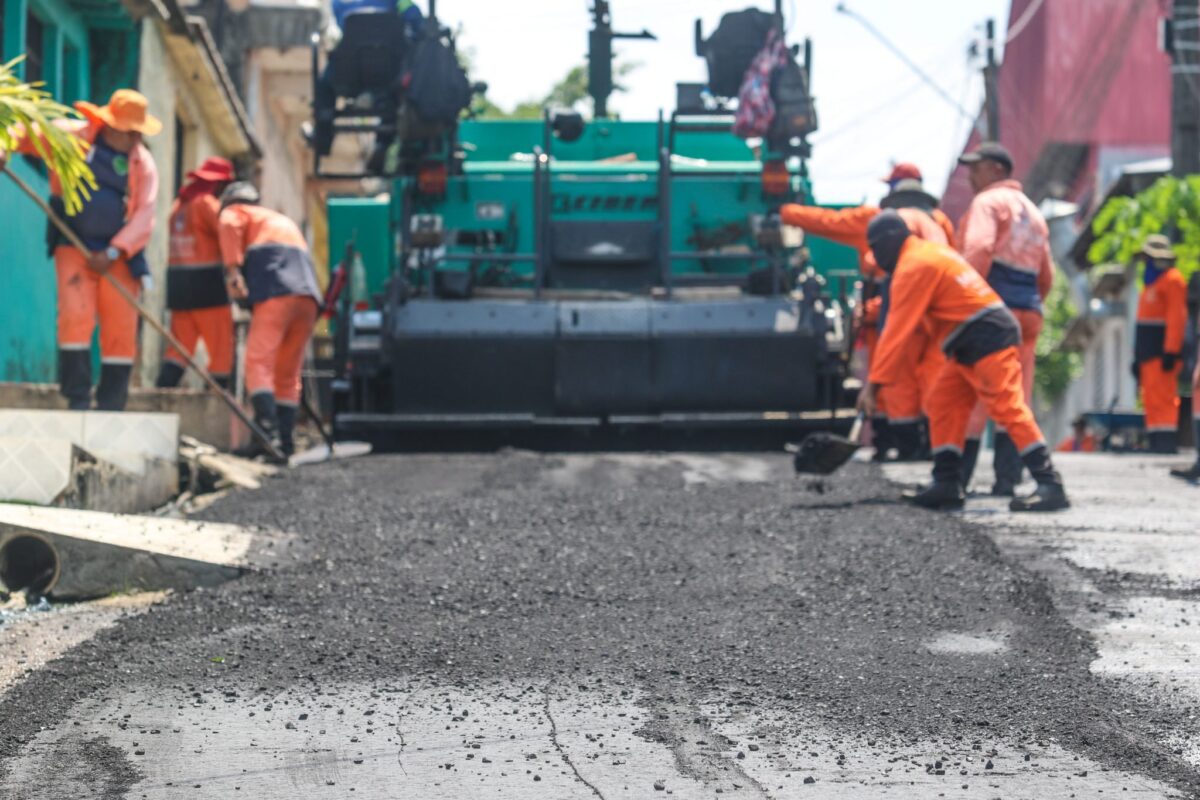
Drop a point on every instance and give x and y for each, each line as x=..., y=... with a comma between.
x=27, y=107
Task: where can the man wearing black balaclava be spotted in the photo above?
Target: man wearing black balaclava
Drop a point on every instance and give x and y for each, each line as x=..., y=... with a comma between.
x=931, y=283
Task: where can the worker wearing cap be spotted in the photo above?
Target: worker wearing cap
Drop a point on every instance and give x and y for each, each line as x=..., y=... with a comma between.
x=1006, y=239
x=1158, y=343
x=899, y=408
x=196, y=294
x=268, y=264
x=934, y=285
x=115, y=223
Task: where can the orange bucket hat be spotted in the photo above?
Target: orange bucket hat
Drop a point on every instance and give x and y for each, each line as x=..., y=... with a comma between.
x=126, y=111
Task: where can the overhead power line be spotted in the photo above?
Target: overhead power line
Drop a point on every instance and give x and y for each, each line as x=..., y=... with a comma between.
x=842, y=8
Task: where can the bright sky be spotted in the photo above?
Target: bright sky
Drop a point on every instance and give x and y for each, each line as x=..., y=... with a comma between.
x=873, y=109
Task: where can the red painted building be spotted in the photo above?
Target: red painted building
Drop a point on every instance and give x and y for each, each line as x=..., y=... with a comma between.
x=1084, y=88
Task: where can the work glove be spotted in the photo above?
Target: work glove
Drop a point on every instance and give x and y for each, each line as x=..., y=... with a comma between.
x=1169, y=361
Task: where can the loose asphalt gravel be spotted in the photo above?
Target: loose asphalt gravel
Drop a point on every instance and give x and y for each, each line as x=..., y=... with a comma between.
x=779, y=594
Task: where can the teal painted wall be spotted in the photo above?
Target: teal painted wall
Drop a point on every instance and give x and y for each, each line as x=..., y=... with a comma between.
x=73, y=71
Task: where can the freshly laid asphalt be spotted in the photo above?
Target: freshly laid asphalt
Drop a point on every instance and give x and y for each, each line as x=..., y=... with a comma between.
x=683, y=582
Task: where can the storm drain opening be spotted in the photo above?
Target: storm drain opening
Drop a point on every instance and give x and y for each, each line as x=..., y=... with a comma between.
x=28, y=564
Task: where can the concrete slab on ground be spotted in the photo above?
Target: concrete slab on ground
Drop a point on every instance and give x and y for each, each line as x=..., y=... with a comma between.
x=80, y=554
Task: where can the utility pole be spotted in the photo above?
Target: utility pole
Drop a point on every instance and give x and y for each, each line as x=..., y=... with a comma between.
x=1182, y=41
x=991, y=86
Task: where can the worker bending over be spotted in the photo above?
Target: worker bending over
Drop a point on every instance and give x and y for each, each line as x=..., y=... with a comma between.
x=981, y=339
x=1158, y=345
x=196, y=294
x=268, y=264
x=115, y=223
x=1006, y=239
x=899, y=413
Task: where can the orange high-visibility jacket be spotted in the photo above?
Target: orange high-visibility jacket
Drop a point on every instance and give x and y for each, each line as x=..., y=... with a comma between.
x=935, y=285
x=270, y=250
x=1005, y=237
x=140, y=193
x=848, y=226
x=195, y=275
x=1161, y=317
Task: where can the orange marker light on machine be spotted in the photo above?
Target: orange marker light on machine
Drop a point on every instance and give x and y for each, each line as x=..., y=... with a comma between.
x=432, y=178
x=776, y=180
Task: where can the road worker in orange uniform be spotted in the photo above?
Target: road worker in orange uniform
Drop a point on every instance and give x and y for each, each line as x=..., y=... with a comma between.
x=1081, y=440
x=196, y=294
x=934, y=285
x=1006, y=239
x=115, y=223
x=268, y=264
x=900, y=408
x=1158, y=345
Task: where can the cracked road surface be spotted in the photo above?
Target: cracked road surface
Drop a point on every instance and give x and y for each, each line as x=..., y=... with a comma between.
x=519, y=625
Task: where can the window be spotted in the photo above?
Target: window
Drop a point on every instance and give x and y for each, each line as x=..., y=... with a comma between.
x=35, y=48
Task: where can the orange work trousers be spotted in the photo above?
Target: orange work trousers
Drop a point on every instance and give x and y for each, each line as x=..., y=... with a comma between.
x=280, y=328
x=213, y=325
x=1031, y=329
x=85, y=298
x=996, y=381
x=906, y=400
x=1160, y=395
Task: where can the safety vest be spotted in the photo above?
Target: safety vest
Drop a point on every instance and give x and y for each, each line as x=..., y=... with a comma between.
x=103, y=214
x=1161, y=317
x=195, y=275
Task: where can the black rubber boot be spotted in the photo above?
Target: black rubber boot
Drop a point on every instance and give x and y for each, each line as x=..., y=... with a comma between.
x=1008, y=467
x=926, y=453
x=113, y=390
x=75, y=378
x=946, y=492
x=881, y=438
x=266, y=416
x=169, y=375
x=287, y=427
x=1163, y=442
x=907, y=438
x=970, y=458
x=1049, y=495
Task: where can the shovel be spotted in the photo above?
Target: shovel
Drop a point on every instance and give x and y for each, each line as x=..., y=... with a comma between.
x=824, y=453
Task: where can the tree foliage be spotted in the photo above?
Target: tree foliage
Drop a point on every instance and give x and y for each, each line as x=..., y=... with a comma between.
x=28, y=107
x=1056, y=367
x=571, y=91
x=1170, y=206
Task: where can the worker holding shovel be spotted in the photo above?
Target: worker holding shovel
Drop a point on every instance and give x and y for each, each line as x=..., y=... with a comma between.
x=268, y=265
x=932, y=284
x=114, y=224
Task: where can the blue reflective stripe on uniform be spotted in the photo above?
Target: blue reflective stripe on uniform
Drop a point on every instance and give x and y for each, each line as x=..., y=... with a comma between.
x=1017, y=287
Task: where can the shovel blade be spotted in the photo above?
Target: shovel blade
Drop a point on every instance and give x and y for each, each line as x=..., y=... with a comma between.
x=823, y=453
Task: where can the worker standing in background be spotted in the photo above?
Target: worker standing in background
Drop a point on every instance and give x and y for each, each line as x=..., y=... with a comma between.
x=1192, y=473
x=115, y=223
x=1006, y=239
x=196, y=294
x=1158, y=344
x=1081, y=439
x=899, y=408
x=268, y=264
x=934, y=285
